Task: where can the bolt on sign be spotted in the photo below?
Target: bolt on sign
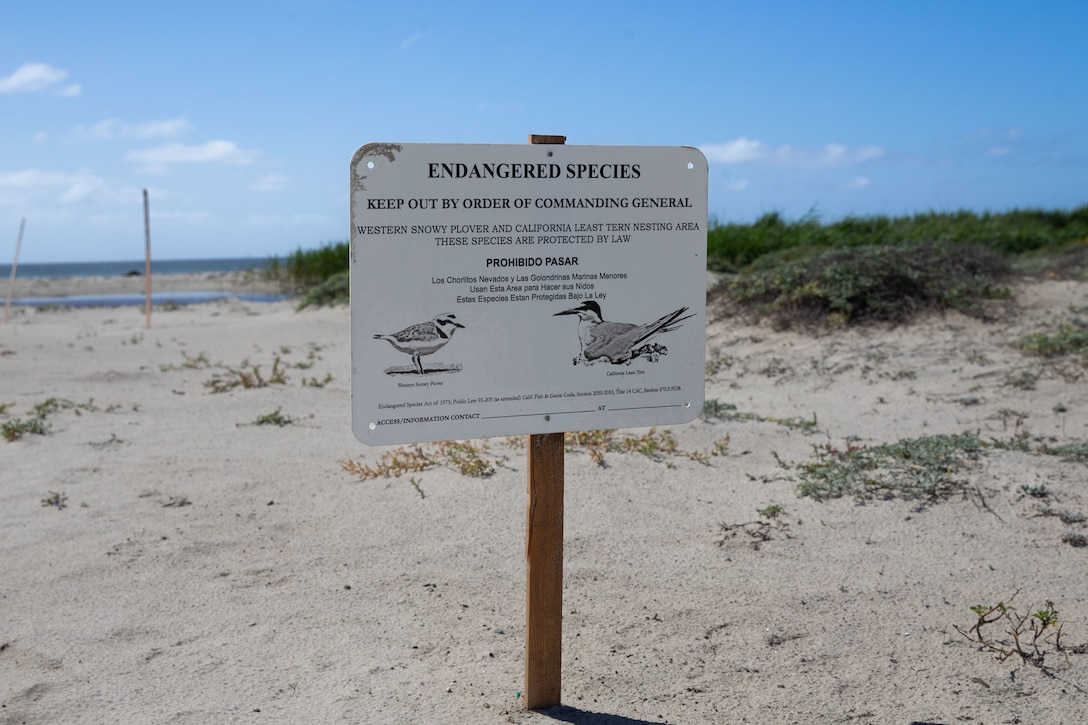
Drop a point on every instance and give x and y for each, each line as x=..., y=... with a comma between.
x=509, y=289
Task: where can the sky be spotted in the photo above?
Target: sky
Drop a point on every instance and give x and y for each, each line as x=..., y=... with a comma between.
x=240, y=118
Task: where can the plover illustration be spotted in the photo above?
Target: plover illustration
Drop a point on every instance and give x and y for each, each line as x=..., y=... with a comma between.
x=617, y=342
x=423, y=338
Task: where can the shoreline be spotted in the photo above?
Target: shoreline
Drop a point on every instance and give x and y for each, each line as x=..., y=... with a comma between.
x=30, y=288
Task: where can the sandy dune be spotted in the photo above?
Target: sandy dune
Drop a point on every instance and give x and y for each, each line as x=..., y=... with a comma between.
x=206, y=569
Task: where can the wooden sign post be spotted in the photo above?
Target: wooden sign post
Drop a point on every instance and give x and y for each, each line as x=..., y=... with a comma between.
x=147, y=261
x=544, y=560
x=14, y=266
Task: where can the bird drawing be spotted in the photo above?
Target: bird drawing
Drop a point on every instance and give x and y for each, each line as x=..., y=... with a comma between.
x=617, y=342
x=424, y=338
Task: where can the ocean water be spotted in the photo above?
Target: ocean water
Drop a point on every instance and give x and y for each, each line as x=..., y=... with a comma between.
x=112, y=269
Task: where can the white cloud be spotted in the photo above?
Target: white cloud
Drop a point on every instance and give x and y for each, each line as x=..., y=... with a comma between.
x=999, y=151
x=859, y=182
x=213, y=152
x=113, y=128
x=270, y=182
x=18, y=187
x=70, y=91
x=736, y=185
x=737, y=151
x=1010, y=133
x=744, y=150
x=410, y=41
x=196, y=216
x=279, y=220
x=32, y=77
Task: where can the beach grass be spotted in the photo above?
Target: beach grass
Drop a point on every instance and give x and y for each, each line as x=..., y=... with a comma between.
x=891, y=283
x=305, y=269
x=732, y=247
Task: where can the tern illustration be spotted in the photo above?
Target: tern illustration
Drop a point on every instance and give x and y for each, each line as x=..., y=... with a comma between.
x=617, y=342
x=423, y=338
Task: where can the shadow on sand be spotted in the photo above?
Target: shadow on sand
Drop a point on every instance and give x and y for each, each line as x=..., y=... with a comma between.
x=563, y=713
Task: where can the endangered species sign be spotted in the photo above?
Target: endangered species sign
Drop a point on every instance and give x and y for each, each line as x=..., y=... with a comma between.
x=507, y=289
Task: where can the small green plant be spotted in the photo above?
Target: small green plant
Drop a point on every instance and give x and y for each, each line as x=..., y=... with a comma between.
x=1005, y=414
x=4, y=408
x=1037, y=491
x=911, y=468
x=191, y=362
x=467, y=457
x=1064, y=515
x=977, y=357
x=1075, y=538
x=757, y=531
x=1067, y=340
x=53, y=405
x=274, y=418
x=1034, y=635
x=13, y=430
x=775, y=367
x=1023, y=379
x=314, y=382
x=55, y=500
x=110, y=442
x=715, y=408
x=771, y=511
x=717, y=364
x=247, y=376
x=1070, y=451
x=656, y=445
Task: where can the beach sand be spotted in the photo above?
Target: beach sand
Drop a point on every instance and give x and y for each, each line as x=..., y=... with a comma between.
x=206, y=569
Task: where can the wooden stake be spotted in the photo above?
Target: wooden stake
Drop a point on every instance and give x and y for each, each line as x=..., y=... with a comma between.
x=544, y=559
x=14, y=266
x=544, y=572
x=147, y=261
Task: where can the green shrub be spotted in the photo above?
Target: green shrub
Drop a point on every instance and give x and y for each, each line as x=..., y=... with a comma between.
x=891, y=283
x=733, y=247
x=333, y=291
x=308, y=268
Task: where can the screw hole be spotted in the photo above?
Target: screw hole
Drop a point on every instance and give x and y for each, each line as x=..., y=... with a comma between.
x=370, y=164
x=373, y=426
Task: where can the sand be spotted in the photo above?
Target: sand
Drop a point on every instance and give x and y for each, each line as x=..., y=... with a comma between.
x=206, y=569
x=227, y=282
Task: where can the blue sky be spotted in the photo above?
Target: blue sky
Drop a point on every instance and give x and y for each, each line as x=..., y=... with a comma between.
x=241, y=117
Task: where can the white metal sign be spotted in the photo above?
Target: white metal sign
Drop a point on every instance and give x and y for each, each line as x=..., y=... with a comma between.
x=502, y=289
